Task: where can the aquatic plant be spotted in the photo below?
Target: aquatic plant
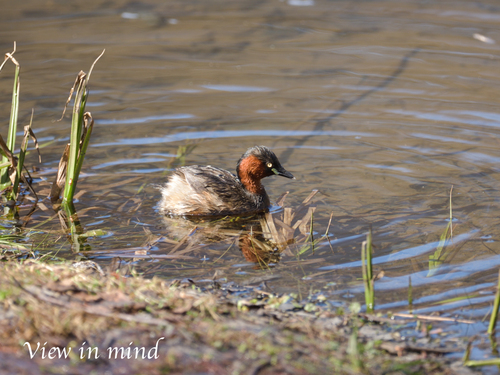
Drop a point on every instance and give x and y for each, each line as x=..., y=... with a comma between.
x=478, y=363
x=436, y=259
x=11, y=166
x=410, y=295
x=73, y=156
x=494, y=313
x=366, y=264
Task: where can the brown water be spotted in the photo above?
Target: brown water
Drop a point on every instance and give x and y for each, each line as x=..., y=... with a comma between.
x=383, y=106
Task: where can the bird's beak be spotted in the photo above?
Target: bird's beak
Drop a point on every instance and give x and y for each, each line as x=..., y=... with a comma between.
x=283, y=172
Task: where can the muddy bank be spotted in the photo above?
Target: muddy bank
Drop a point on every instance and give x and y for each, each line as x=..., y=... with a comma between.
x=77, y=318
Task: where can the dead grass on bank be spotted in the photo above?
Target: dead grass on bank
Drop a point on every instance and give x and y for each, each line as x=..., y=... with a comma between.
x=218, y=332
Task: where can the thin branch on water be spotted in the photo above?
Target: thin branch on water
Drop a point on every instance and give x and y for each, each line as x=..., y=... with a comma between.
x=434, y=318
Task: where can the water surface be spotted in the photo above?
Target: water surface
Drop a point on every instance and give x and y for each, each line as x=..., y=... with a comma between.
x=382, y=106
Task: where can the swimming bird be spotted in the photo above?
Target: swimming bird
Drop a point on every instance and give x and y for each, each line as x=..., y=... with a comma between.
x=210, y=191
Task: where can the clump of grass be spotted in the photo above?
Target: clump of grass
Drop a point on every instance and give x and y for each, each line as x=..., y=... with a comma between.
x=7, y=160
x=11, y=166
x=73, y=156
x=366, y=264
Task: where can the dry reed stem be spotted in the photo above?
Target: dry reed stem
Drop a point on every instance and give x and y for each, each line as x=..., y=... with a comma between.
x=182, y=241
x=58, y=184
x=434, y=318
x=10, y=56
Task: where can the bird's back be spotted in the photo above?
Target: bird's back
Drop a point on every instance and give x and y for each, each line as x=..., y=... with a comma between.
x=206, y=190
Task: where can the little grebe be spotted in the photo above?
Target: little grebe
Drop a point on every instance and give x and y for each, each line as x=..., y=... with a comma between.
x=206, y=190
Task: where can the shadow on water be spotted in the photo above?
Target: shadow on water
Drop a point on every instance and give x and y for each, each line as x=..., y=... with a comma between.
x=321, y=123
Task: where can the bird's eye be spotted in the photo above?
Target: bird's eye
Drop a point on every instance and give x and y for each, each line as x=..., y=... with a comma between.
x=269, y=165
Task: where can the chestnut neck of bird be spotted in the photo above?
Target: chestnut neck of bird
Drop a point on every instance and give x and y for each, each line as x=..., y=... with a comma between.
x=251, y=170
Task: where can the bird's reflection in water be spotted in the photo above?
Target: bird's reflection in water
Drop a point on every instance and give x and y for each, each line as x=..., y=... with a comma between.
x=262, y=238
x=251, y=234
x=257, y=250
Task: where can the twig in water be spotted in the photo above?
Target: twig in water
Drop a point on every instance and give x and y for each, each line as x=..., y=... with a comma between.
x=434, y=318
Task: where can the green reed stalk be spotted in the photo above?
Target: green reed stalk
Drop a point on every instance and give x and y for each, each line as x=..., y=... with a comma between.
x=311, y=232
x=14, y=112
x=81, y=130
x=354, y=352
x=451, y=213
x=482, y=362
x=76, y=133
x=22, y=156
x=88, y=123
x=410, y=295
x=366, y=265
x=496, y=304
x=437, y=259
x=478, y=363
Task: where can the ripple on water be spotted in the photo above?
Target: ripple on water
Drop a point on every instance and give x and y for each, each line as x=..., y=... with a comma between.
x=236, y=88
x=127, y=162
x=234, y=134
x=427, y=120
x=141, y=120
x=439, y=117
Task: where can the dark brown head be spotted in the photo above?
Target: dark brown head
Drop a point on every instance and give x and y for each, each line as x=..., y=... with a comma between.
x=255, y=164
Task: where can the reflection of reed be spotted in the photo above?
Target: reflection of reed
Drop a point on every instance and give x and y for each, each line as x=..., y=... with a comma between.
x=70, y=223
x=288, y=222
x=257, y=250
x=261, y=238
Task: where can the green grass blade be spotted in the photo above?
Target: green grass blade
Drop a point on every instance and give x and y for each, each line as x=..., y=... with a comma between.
x=494, y=313
x=367, y=270
x=11, y=138
x=436, y=259
x=14, y=112
x=88, y=122
x=6, y=164
x=365, y=275
x=410, y=295
x=483, y=362
x=76, y=131
x=81, y=129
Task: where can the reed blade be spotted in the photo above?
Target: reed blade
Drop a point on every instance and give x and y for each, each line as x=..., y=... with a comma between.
x=22, y=156
x=367, y=270
x=494, y=313
x=82, y=124
x=76, y=131
x=6, y=173
x=88, y=126
x=410, y=296
x=438, y=258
